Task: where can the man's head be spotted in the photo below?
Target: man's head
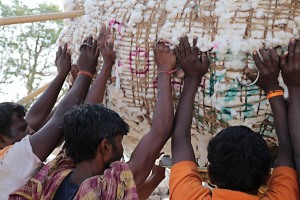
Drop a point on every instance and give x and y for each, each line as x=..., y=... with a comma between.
x=239, y=159
x=92, y=130
x=13, y=126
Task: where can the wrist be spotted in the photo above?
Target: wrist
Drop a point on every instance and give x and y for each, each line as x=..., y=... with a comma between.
x=272, y=88
x=108, y=63
x=192, y=79
x=106, y=68
x=163, y=77
x=61, y=75
x=87, y=69
x=86, y=73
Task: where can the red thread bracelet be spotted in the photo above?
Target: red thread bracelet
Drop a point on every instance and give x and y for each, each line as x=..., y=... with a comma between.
x=86, y=73
x=167, y=72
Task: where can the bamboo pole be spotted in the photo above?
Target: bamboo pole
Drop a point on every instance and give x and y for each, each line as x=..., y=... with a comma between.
x=41, y=17
x=32, y=95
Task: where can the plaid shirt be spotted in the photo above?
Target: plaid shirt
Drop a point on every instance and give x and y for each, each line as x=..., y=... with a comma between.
x=116, y=183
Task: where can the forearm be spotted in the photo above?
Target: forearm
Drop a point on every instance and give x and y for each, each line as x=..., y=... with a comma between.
x=44, y=104
x=44, y=141
x=97, y=90
x=294, y=122
x=181, y=139
x=148, y=187
x=144, y=155
x=285, y=151
x=163, y=112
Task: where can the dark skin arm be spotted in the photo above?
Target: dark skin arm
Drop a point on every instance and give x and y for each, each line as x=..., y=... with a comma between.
x=158, y=174
x=269, y=70
x=43, y=106
x=194, y=69
x=147, y=150
x=45, y=140
x=74, y=73
x=290, y=68
x=106, y=47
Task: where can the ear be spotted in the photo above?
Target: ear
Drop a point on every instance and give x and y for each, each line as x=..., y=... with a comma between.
x=106, y=148
x=4, y=141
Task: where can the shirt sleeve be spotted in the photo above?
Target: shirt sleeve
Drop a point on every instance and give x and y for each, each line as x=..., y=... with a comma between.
x=18, y=165
x=186, y=183
x=283, y=184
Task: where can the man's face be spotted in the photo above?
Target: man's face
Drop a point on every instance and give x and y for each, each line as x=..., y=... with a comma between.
x=117, y=150
x=19, y=129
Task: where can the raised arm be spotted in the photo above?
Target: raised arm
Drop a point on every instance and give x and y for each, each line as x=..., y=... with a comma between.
x=41, y=109
x=144, y=155
x=106, y=47
x=290, y=64
x=194, y=69
x=45, y=140
x=269, y=70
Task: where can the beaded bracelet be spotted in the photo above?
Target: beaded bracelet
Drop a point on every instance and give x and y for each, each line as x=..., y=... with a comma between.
x=275, y=93
x=86, y=73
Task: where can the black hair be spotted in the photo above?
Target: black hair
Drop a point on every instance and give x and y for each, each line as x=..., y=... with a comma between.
x=7, y=110
x=86, y=126
x=239, y=159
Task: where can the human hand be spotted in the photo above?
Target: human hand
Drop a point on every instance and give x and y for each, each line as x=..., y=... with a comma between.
x=290, y=64
x=158, y=172
x=106, y=46
x=89, y=54
x=188, y=58
x=164, y=58
x=63, y=60
x=268, y=70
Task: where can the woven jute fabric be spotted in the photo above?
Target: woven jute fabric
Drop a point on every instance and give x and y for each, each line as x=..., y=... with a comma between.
x=220, y=102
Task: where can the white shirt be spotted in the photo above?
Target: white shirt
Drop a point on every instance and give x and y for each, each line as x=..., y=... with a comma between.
x=17, y=166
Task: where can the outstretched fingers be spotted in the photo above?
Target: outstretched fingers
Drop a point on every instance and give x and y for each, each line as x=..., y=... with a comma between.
x=64, y=52
x=250, y=74
x=283, y=60
x=297, y=51
x=58, y=54
x=187, y=46
x=177, y=52
x=274, y=57
x=181, y=47
x=292, y=46
x=95, y=48
x=195, y=48
x=258, y=61
x=266, y=57
x=110, y=42
x=204, y=59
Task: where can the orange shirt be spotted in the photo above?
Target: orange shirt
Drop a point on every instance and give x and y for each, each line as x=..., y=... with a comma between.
x=185, y=183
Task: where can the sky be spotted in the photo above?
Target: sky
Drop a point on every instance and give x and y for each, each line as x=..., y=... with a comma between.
x=13, y=91
x=35, y=2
